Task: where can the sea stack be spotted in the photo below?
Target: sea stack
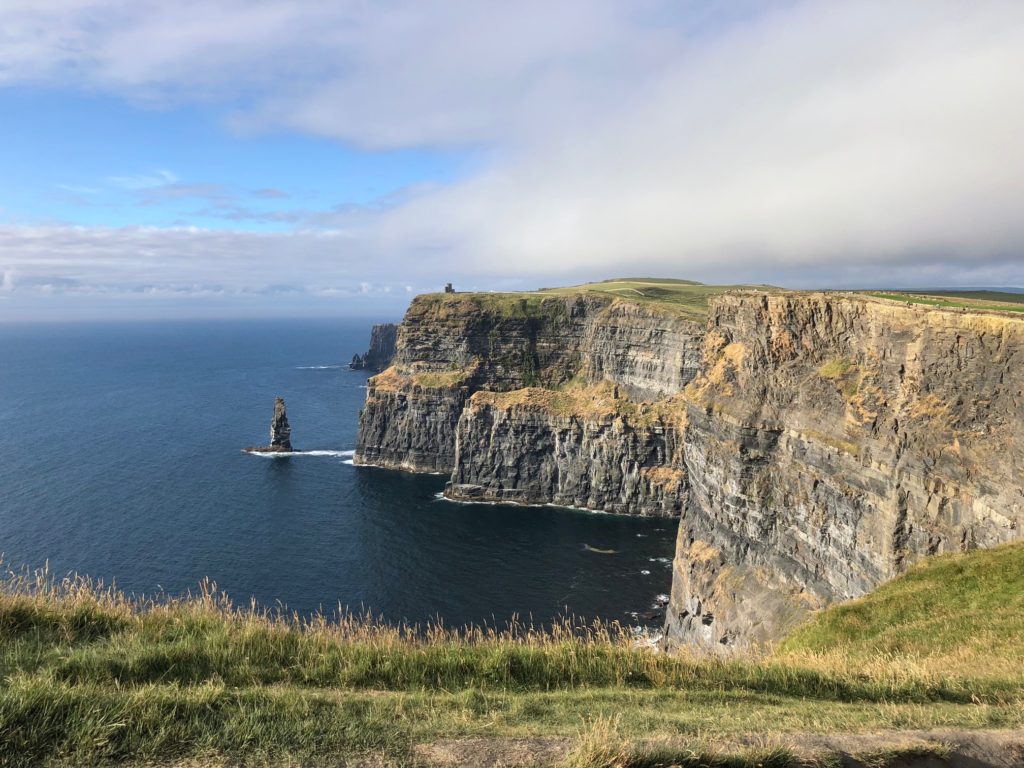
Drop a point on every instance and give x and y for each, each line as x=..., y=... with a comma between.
x=280, y=432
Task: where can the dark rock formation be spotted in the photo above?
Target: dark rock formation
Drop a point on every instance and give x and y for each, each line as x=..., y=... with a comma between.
x=280, y=432
x=585, y=449
x=383, y=338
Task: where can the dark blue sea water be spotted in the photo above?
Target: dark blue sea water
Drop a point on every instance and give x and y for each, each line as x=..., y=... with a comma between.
x=120, y=459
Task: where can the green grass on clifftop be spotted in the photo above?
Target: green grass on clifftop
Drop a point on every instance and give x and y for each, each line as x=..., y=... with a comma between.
x=684, y=297
x=960, y=611
x=979, y=301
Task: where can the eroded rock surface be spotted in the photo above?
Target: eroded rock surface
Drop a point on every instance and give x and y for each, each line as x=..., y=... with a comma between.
x=830, y=442
x=588, y=447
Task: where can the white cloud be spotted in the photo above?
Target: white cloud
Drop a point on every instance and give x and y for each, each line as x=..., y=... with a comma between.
x=144, y=181
x=78, y=189
x=827, y=134
x=839, y=141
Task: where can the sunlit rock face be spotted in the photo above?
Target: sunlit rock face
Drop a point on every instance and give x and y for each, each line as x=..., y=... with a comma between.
x=831, y=441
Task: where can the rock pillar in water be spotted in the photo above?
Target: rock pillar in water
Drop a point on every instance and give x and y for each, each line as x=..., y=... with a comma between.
x=280, y=430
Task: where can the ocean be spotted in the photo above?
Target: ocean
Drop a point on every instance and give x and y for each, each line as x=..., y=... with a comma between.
x=120, y=459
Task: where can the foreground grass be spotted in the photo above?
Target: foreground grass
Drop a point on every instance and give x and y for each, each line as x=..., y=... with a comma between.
x=92, y=677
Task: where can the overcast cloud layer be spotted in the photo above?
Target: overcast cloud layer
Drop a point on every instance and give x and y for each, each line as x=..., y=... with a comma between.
x=815, y=143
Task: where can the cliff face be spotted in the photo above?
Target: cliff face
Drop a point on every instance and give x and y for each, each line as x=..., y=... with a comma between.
x=383, y=341
x=583, y=447
x=814, y=445
x=831, y=441
x=449, y=346
x=452, y=346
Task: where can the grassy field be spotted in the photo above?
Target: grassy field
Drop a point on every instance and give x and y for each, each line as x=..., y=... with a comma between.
x=91, y=677
x=684, y=296
x=1002, y=297
x=982, y=301
x=690, y=298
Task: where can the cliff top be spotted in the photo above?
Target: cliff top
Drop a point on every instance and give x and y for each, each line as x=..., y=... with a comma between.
x=690, y=299
x=977, y=301
x=576, y=398
x=684, y=297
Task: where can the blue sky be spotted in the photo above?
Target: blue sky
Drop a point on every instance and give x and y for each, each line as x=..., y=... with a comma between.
x=95, y=160
x=192, y=158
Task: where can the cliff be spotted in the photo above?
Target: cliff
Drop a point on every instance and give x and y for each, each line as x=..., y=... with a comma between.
x=814, y=445
x=383, y=339
x=585, y=446
x=451, y=346
x=831, y=441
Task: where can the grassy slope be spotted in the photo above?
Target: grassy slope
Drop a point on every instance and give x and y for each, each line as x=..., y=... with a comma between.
x=90, y=677
x=962, y=611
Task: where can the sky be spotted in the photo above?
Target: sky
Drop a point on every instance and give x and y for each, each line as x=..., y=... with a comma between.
x=202, y=158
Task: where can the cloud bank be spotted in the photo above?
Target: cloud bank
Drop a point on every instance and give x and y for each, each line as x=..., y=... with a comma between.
x=802, y=143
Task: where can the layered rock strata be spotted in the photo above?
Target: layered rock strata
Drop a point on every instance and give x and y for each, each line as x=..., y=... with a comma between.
x=830, y=442
x=587, y=447
x=451, y=346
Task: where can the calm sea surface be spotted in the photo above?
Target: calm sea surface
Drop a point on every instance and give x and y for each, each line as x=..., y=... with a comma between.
x=120, y=458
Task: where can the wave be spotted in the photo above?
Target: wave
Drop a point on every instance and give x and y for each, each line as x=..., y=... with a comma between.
x=288, y=454
x=320, y=367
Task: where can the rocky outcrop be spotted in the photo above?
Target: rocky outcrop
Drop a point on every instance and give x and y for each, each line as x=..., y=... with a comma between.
x=280, y=432
x=409, y=418
x=383, y=340
x=831, y=441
